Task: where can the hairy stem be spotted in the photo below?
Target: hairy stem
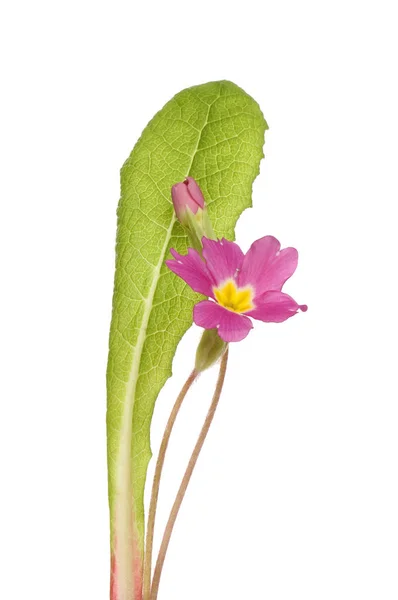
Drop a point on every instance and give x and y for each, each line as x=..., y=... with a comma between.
x=187, y=477
x=156, y=484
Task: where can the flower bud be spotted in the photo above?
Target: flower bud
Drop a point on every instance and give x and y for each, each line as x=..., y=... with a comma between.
x=210, y=350
x=190, y=208
x=187, y=195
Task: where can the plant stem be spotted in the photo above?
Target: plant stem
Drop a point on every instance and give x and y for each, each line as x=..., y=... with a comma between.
x=156, y=484
x=187, y=477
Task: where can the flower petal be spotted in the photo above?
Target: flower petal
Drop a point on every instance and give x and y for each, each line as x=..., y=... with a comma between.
x=275, y=307
x=192, y=270
x=195, y=192
x=232, y=327
x=266, y=267
x=260, y=254
x=223, y=259
x=282, y=267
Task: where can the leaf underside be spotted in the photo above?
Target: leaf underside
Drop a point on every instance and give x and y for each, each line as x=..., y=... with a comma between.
x=214, y=133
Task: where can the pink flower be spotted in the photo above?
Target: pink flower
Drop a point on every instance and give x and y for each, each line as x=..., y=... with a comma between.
x=187, y=195
x=239, y=285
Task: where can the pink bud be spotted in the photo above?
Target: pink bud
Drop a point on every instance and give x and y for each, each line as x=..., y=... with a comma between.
x=187, y=195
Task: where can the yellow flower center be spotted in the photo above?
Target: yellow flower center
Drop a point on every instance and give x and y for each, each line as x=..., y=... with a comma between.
x=238, y=300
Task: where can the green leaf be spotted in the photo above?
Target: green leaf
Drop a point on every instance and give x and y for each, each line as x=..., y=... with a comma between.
x=214, y=133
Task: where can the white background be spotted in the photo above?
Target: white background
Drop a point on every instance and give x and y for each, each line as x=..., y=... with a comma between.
x=295, y=495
